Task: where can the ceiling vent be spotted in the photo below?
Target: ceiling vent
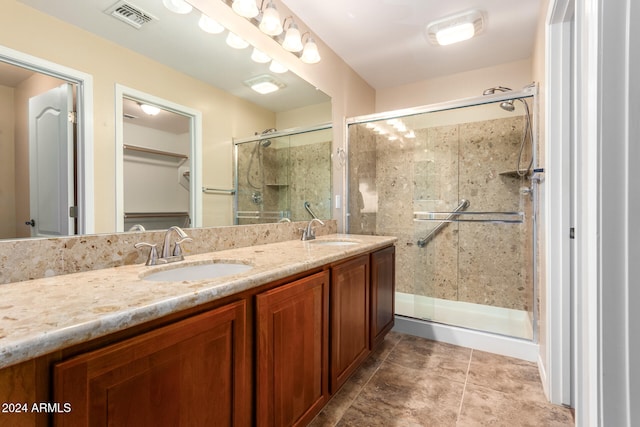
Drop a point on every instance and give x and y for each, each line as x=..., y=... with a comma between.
x=130, y=14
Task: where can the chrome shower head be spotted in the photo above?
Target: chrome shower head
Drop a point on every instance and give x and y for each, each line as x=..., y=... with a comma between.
x=267, y=142
x=508, y=105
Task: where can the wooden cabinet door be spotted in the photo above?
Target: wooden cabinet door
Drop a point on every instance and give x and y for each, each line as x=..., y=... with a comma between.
x=349, y=318
x=382, y=293
x=191, y=373
x=292, y=351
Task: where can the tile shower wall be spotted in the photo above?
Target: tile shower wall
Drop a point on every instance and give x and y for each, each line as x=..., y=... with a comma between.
x=481, y=263
x=292, y=175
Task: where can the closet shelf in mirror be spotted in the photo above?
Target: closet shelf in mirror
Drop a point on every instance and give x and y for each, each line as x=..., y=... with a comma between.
x=153, y=154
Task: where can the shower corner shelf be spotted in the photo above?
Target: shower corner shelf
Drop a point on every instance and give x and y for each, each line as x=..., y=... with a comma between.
x=277, y=185
x=515, y=173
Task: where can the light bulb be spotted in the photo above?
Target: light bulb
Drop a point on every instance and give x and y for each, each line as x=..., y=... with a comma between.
x=236, y=41
x=277, y=67
x=270, y=23
x=246, y=8
x=177, y=6
x=209, y=25
x=292, y=40
x=259, y=56
x=310, y=54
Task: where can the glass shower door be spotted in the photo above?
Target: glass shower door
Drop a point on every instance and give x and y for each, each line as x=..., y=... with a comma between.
x=446, y=184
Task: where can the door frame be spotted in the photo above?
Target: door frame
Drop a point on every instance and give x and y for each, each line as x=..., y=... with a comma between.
x=555, y=361
x=84, y=129
x=195, y=181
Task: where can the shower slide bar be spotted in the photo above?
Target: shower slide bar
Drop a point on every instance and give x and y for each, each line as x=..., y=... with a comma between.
x=464, y=204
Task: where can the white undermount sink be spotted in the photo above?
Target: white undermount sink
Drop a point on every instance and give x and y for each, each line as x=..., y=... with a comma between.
x=198, y=272
x=333, y=242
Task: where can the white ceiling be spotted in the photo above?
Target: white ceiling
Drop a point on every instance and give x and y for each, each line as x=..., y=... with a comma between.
x=384, y=40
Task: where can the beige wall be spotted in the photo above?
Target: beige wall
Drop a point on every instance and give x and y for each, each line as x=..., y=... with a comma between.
x=303, y=117
x=456, y=86
x=7, y=178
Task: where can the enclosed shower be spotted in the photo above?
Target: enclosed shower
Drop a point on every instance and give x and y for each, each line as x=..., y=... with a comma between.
x=455, y=183
x=283, y=175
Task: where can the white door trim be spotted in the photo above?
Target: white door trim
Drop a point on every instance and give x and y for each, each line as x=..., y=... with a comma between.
x=84, y=103
x=555, y=364
x=195, y=117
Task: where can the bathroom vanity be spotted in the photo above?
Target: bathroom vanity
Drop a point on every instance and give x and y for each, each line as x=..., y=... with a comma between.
x=268, y=346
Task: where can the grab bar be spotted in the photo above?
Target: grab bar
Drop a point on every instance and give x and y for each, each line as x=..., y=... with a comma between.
x=307, y=206
x=464, y=204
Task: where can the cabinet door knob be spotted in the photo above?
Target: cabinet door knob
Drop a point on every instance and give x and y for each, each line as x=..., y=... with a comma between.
x=31, y=223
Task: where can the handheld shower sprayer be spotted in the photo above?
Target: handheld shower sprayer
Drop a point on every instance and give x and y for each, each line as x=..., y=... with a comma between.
x=257, y=152
x=508, y=105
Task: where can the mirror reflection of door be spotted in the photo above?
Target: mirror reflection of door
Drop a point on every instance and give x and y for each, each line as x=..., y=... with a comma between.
x=17, y=86
x=156, y=167
x=51, y=163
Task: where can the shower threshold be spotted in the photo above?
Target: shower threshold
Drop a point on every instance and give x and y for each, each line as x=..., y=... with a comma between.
x=497, y=320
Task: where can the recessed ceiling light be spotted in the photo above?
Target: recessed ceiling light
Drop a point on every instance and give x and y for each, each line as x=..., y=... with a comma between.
x=264, y=84
x=455, y=28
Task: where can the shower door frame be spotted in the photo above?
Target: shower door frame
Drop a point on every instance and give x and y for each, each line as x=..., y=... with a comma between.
x=530, y=91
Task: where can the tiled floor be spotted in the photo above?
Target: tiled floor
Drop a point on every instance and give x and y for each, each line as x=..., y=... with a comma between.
x=411, y=381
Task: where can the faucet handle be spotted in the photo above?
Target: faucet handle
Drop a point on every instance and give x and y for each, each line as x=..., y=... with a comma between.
x=177, y=249
x=153, y=253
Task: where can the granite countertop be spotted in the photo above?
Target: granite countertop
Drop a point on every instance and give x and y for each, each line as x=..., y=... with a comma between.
x=44, y=315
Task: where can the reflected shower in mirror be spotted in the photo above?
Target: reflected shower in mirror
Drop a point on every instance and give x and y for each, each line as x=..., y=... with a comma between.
x=283, y=176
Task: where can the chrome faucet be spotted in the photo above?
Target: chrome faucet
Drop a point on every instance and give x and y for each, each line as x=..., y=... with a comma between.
x=177, y=249
x=167, y=255
x=309, y=233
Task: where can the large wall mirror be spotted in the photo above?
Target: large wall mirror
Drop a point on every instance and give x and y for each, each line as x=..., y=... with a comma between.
x=169, y=58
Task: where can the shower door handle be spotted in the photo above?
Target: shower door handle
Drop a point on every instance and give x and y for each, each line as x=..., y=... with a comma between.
x=31, y=222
